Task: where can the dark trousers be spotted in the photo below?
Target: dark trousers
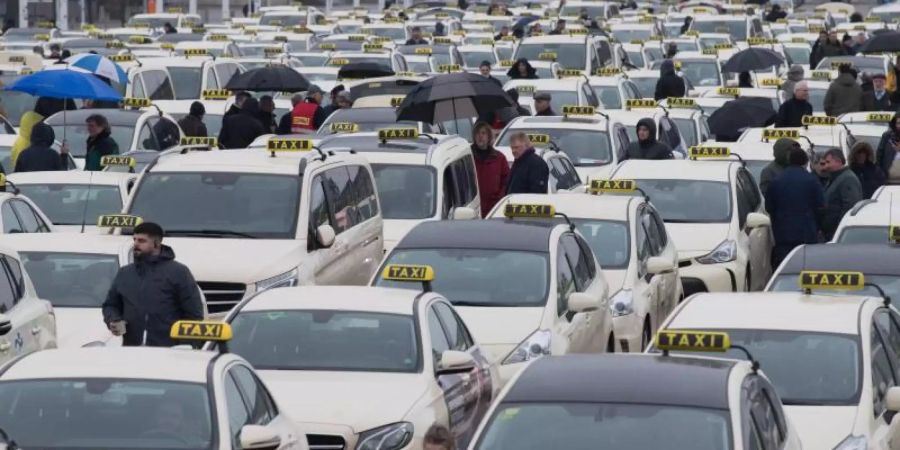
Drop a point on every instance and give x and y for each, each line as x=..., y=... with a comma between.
x=779, y=252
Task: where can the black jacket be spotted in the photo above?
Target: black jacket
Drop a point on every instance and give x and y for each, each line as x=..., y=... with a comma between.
x=193, y=126
x=885, y=153
x=268, y=121
x=284, y=125
x=412, y=41
x=649, y=149
x=239, y=130
x=97, y=148
x=530, y=72
x=792, y=111
x=39, y=156
x=795, y=202
x=669, y=83
x=152, y=294
x=528, y=175
x=547, y=112
x=870, y=177
x=232, y=110
x=870, y=103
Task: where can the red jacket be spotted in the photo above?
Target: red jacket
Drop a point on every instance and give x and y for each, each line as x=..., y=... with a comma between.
x=493, y=174
x=302, y=117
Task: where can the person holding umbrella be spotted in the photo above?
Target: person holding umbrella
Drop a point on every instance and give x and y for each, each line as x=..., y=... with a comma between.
x=529, y=173
x=791, y=112
x=844, y=95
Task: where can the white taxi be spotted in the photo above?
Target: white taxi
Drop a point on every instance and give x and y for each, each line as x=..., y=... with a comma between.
x=567, y=91
x=870, y=221
x=27, y=322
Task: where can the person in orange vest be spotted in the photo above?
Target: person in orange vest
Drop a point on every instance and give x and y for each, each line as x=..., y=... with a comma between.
x=308, y=115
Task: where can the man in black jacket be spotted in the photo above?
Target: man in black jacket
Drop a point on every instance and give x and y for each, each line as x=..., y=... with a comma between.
x=192, y=124
x=239, y=100
x=791, y=112
x=878, y=99
x=529, y=173
x=647, y=147
x=542, y=105
x=669, y=83
x=239, y=130
x=39, y=156
x=149, y=295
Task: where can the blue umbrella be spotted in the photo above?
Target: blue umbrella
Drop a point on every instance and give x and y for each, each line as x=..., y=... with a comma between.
x=99, y=65
x=65, y=83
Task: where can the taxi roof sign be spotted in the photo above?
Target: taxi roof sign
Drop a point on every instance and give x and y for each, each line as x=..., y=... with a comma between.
x=879, y=117
x=692, y=341
x=818, y=120
x=607, y=71
x=704, y=151
x=424, y=51
x=538, y=138
x=201, y=330
x=449, y=68
x=195, y=52
x=568, y=73
x=398, y=133
x=822, y=75
x=771, y=82
x=121, y=58
x=599, y=186
x=327, y=46
x=778, y=133
x=578, y=110
x=894, y=234
x=634, y=103
x=408, y=272
x=829, y=279
x=215, y=94
x=528, y=210
x=338, y=62
x=730, y=91
x=681, y=102
x=547, y=56
x=200, y=141
x=344, y=127
x=289, y=145
x=118, y=160
x=133, y=102
x=118, y=220
x=396, y=101
x=506, y=63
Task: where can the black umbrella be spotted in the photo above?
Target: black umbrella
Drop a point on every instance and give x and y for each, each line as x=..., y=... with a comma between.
x=451, y=96
x=728, y=122
x=274, y=78
x=364, y=70
x=751, y=59
x=883, y=42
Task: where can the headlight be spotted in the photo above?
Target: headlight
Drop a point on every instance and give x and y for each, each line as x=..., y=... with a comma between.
x=286, y=279
x=725, y=252
x=388, y=437
x=622, y=303
x=534, y=346
x=853, y=443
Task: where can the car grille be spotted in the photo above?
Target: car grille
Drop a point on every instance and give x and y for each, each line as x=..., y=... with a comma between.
x=221, y=297
x=325, y=442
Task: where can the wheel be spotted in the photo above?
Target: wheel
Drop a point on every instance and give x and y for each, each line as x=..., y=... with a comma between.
x=611, y=344
x=646, y=336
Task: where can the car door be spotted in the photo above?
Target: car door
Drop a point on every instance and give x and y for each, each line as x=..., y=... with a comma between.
x=330, y=205
x=885, y=359
x=650, y=245
x=758, y=239
x=259, y=405
x=369, y=248
x=455, y=386
x=31, y=220
x=583, y=329
x=24, y=315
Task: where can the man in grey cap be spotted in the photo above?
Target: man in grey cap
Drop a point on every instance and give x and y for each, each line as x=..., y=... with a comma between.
x=308, y=114
x=542, y=104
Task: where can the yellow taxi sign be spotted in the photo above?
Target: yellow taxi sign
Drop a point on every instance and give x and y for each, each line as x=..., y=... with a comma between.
x=634, y=103
x=133, y=102
x=508, y=39
x=167, y=46
x=771, y=82
x=198, y=30
x=327, y=46
x=723, y=46
x=547, y=56
x=578, y=110
x=115, y=44
x=449, y=68
x=820, y=75
x=681, y=102
x=894, y=234
x=26, y=71
x=691, y=33
x=539, y=139
x=607, y=71
x=118, y=220
x=344, y=127
x=873, y=19
x=117, y=160
x=423, y=51
x=525, y=89
x=398, y=133
x=121, y=58
x=692, y=341
x=338, y=62
x=373, y=47
x=760, y=41
x=838, y=64
x=442, y=40
x=217, y=37
x=273, y=50
x=578, y=32
x=818, y=120
x=45, y=24
x=407, y=272
x=567, y=73
x=729, y=91
x=778, y=133
x=829, y=279
x=289, y=145
x=637, y=41
x=396, y=101
x=528, y=210
x=17, y=59
x=487, y=41
x=42, y=37
x=704, y=151
x=195, y=52
x=201, y=330
x=505, y=63
x=798, y=40
x=138, y=40
x=613, y=186
x=710, y=51
x=200, y=140
x=215, y=94
x=879, y=117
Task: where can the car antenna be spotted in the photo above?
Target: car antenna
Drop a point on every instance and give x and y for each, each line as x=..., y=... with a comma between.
x=87, y=198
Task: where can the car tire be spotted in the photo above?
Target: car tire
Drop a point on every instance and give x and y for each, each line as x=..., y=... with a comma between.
x=646, y=336
x=611, y=344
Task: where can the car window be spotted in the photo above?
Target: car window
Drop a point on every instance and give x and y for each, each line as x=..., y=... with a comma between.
x=27, y=217
x=439, y=342
x=661, y=228
x=166, y=132
x=888, y=327
x=882, y=373
x=10, y=221
x=8, y=295
x=157, y=85
x=466, y=188
x=146, y=138
x=652, y=233
x=750, y=189
x=364, y=192
x=457, y=336
x=341, y=198
x=225, y=72
x=262, y=409
x=15, y=270
x=318, y=209
x=211, y=81
x=238, y=416
x=565, y=281
x=137, y=88
x=578, y=260
x=743, y=203
x=642, y=242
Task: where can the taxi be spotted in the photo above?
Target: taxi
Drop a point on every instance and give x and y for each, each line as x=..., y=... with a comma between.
x=563, y=175
x=714, y=211
x=637, y=255
x=159, y=397
x=731, y=93
x=829, y=355
x=567, y=91
x=218, y=48
x=393, y=60
x=701, y=71
x=629, y=31
x=691, y=120
x=474, y=55
x=190, y=76
x=618, y=401
x=539, y=278
x=867, y=126
x=27, y=321
x=870, y=221
x=365, y=118
x=215, y=102
x=821, y=132
x=571, y=52
x=738, y=27
x=614, y=90
x=301, y=217
x=666, y=129
x=645, y=81
x=371, y=374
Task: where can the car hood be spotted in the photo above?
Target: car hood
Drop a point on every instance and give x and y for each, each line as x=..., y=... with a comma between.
x=696, y=239
x=499, y=330
x=76, y=327
x=822, y=426
x=588, y=173
x=210, y=259
x=394, y=230
x=90, y=229
x=360, y=400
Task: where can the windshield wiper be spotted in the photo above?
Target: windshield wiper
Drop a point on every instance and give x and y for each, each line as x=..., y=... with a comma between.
x=213, y=233
x=789, y=402
x=471, y=303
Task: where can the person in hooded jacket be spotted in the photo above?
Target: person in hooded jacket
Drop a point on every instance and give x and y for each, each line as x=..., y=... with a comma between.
x=647, y=147
x=529, y=173
x=775, y=13
x=829, y=46
x=844, y=94
x=795, y=201
x=240, y=130
x=745, y=80
x=192, y=124
x=149, y=295
x=774, y=169
x=795, y=75
x=791, y=112
x=44, y=107
x=522, y=70
x=862, y=163
x=889, y=146
x=491, y=167
x=40, y=156
x=669, y=83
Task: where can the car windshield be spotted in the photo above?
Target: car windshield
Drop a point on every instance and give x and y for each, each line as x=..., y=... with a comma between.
x=22, y=35
x=701, y=73
x=14, y=103
x=608, y=240
x=864, y=64
x=136, y=414
x=326, y=340
x=604, y=426
x=220, y=204
x=152, y=22
x=480, y=277
x=283, y=20
x=186, y=81
x=585, y=148
x=580, y=10
x=74, y=204
x=890, y=284
x=354, y=59
x=394, y=183
x=557, y=99
x=806, y=368
x=474, y=59
x=418, y=66
x=313, y=61
x=689, y=201
x=863, y=235
x=71, y=279
x=646, y=87
x=755, y=166
x=630, y=35
x=569, y=56
x=797, y=55
x=736, y=28
x=76, y=136
x=636, y=58
x=608, y=96
x=395, y=34
x=688, y=130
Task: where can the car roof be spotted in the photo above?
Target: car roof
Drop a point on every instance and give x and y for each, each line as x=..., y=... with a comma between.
x=595, y=122
x=242, y=161
x=878, y=213
x=495, y=234
x=581, y=206
x=69, y=177
x=554, y=39
x=679, y=169
x=625, y=378
x=102, y=244
x=345, y=298
x=875, y=259
x=754, y=310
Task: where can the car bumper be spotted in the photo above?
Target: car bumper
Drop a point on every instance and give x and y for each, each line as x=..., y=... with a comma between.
x=628, y=330
x=339, y=437
x=723, y=277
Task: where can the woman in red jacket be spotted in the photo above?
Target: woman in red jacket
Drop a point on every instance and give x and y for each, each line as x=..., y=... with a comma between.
x=490, y=165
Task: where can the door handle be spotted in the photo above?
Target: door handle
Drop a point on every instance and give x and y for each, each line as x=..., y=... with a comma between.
x=36, y=331
x=370, y=241
x=4, y=346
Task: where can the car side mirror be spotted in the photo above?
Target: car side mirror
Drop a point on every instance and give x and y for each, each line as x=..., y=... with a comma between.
x=257, y=437
x=5, y=325
x=325, y=235
x=757, y=220
x=463, y=213
x=582, y=302
x=892, y=399
x=657, y=265
x=455, y=362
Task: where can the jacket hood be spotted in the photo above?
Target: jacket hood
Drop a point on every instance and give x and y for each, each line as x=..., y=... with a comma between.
x=781, y=149
x=893, y=124
x=667, y=67
x=795, y=73
x=867, y=149
x=165, y=254
x=42, y=135
x=514, y=70
x=651, y=125
x=846, y=79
